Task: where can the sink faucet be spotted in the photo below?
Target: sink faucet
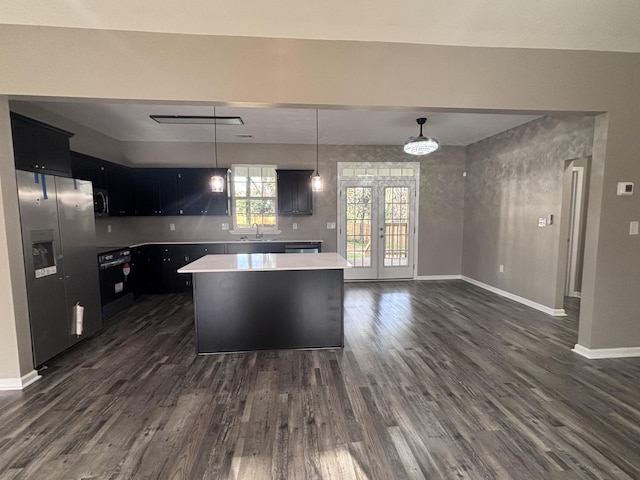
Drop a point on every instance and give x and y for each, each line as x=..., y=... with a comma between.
x=258, y=234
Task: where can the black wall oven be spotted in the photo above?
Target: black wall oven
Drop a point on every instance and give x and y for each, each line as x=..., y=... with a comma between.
x=116, y=289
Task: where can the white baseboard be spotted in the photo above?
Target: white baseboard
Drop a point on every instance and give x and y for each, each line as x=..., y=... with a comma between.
x=556, y=312
x=598, y=353
x=19, y=383
x=438, y=277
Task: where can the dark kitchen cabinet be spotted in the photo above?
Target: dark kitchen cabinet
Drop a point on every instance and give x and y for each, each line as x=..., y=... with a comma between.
x=154, y=267
x=198, y=250
x=120, y=185
x=179, y=191
x=139, y=276
x=86, y=167
x=156, y=191
x=294, y=192
x=255, y=247
x=38, y=147
x=164, y=261
x=196, y=195
x=116, y=179
x=168, y=198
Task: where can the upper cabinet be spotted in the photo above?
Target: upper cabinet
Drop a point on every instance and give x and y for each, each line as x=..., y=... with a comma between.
x=196, y=194
x=85, y=167
x=294, y=192
x=156, y=191
x=38, y=147
x=103, y=175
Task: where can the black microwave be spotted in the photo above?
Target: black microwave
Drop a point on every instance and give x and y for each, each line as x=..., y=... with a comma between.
x=100, y=202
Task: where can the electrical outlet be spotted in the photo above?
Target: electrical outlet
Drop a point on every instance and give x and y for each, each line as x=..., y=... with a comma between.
x=294, y=226
x=501, y=268
x=172, y=226
x=542, y=222
x=331, y=225
x=633, y=228
x=225, y=226
x=108, y=228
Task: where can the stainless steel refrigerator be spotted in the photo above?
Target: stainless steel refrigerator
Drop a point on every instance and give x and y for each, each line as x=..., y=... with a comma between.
x=58, y=237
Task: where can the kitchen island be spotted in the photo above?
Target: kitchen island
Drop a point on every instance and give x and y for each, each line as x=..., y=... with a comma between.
x=266, y=301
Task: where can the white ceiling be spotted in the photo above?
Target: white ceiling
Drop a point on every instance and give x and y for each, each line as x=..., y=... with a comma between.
x=567, y=24
x=131, y=122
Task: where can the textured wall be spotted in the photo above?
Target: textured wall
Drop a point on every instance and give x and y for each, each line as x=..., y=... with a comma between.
x=440, y=211
x=513, y=178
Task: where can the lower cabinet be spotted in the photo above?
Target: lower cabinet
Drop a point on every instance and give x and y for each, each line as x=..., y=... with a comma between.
x=164, y=261
x=249, y=247
x=154, y=267
x=139, y=276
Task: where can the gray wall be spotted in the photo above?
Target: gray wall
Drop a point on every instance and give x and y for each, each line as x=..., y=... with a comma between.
x=78, y=63
x=513, y=179
x=15, y=337
x=441, y=196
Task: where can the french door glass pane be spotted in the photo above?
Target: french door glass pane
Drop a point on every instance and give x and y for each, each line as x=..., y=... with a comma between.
x=396, y=226
x=359, y=225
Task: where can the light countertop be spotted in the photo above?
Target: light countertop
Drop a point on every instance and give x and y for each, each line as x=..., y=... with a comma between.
x=256, y=262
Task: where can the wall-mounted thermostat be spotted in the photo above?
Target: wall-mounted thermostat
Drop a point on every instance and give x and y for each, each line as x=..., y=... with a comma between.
x=625, y=188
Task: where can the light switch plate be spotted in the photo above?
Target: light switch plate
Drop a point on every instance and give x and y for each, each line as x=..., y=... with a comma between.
x=331, y=225
x=542, y=222
x=633, y=228
x=108, y=228
x=225, y=226
x=625, y=188
x=294, y=226
x=172, y=226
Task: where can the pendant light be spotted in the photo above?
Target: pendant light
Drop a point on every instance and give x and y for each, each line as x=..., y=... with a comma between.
x=217, y=181
x=316, y=180
x=420, y=145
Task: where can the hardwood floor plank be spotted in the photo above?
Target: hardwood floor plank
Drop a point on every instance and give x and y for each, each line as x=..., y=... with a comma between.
x=437, y=380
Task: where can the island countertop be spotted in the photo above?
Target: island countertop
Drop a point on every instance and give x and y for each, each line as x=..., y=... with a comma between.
x=256, y=262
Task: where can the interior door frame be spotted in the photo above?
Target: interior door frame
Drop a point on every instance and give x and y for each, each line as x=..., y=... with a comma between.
x=415, y=177
x=575, y=225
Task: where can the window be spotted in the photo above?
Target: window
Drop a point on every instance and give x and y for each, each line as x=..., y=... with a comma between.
x=254, y=196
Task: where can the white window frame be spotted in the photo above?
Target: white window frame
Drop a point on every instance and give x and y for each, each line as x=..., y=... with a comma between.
x=244, y=231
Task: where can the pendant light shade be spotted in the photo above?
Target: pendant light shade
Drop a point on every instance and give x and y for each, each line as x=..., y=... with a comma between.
x=316, y=180
x=420, y=145
x=316, y=183
x=217, y=182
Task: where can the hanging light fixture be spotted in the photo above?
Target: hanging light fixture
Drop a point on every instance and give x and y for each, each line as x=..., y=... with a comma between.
x=420, y=145
x=316, y=180
x=217, y=181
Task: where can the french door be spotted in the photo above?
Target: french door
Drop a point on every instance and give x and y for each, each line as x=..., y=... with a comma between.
x=377, y=231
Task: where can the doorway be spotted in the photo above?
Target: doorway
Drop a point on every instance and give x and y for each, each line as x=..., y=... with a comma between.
x=377, y=211
x=576, y=182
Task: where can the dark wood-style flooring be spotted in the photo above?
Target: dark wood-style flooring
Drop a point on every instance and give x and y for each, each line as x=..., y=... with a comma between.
x=437, y=380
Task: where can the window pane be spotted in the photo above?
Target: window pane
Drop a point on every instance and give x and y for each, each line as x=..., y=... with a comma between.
x=269, y=189
x=255, y=194
x=256, y=188
x=240, y=188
